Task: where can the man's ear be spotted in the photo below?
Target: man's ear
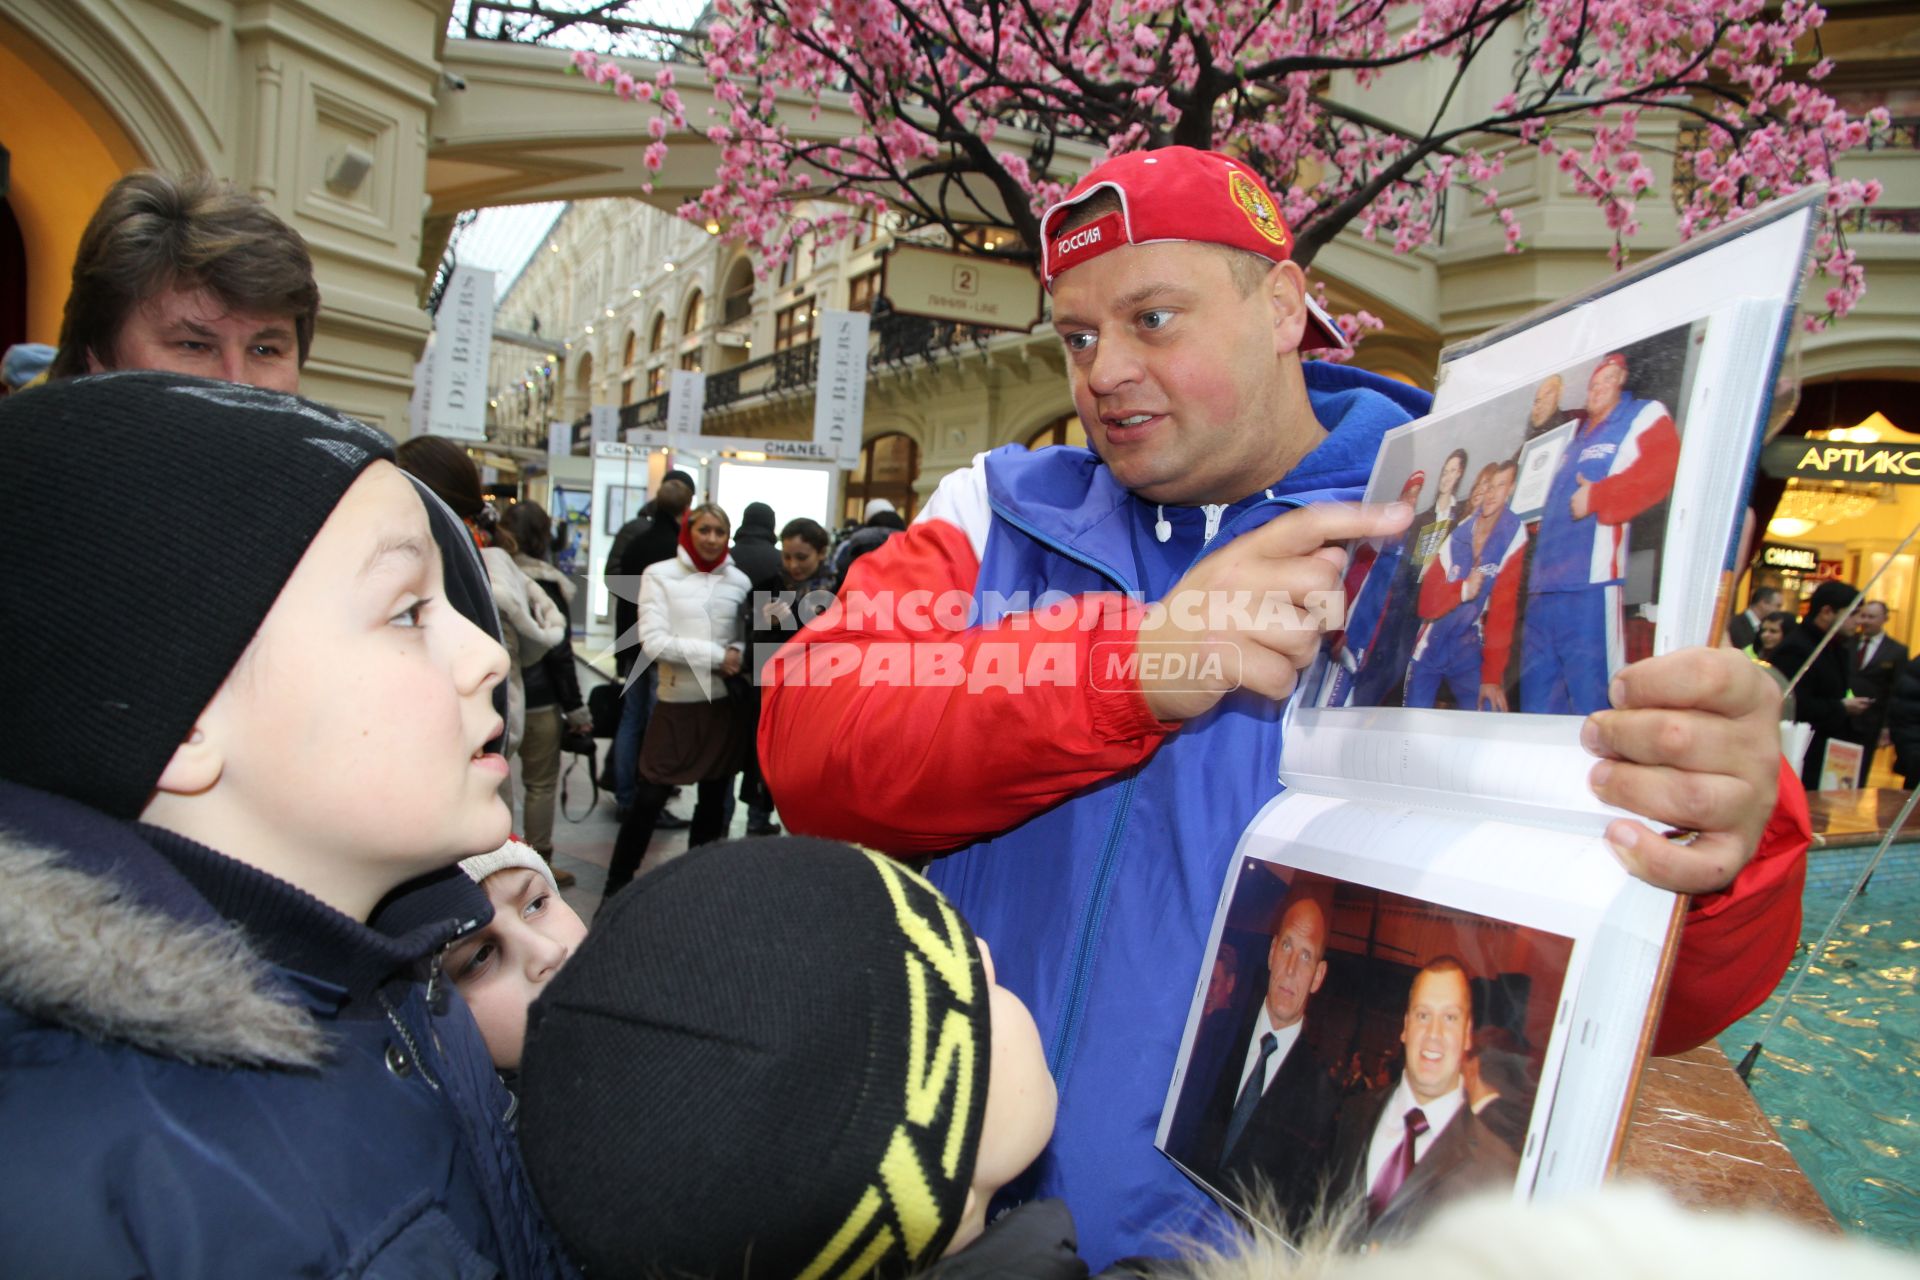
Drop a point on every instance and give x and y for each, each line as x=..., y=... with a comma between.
x=1286, y=287
x=196, y=765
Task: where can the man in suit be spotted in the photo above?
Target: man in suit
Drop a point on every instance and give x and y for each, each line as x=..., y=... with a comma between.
x=1410, y=1148
x=1877, y=659
x=1822, y=698
x=1269, y=1124
x=1761, y=601
x=1501, y=1083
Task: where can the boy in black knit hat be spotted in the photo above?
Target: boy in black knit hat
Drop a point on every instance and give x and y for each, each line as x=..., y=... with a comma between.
x=788, y=1058
x=230, y=807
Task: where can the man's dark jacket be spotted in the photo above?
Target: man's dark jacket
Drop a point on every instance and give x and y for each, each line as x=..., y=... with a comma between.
x=1288, y=1144
x=754, y=550
x=1464, y=1158
x=1874, y=680
x=1819, y=698
x=642, y=541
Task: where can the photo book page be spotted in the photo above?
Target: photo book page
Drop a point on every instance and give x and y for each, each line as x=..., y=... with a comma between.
x=1428, y=976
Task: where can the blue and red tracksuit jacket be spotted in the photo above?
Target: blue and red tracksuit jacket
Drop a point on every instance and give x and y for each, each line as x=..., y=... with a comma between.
x=1486, y=621
x=978, y=712
x=1629, y=458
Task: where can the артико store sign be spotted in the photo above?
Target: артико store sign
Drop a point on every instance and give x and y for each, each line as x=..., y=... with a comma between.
x=1837, y=460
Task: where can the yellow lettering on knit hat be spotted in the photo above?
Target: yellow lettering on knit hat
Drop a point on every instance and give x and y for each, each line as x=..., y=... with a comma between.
x=949, y=956
x=849, y=1235
x=944, y=1063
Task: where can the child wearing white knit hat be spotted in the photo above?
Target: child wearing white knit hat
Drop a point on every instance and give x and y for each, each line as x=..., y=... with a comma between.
x=501, y=968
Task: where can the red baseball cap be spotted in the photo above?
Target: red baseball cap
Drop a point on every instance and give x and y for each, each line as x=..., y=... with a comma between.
x=1174, y=194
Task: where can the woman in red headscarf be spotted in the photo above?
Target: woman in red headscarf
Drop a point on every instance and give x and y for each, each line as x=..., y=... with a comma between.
x=690, y=610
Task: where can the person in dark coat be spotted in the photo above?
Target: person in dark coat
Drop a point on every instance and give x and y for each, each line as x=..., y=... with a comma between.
x=1877, y=659
x=756, y=555
x=754, y=551
x=1903, y=723
x=1744, y=629
x=1415, y=1145
x=881, y=523
x=1821, y=699
x=1269, y=1126
x=225, y=1044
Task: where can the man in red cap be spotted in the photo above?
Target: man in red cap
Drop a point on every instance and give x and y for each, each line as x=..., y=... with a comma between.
x=995, y=684
x=1618, y=462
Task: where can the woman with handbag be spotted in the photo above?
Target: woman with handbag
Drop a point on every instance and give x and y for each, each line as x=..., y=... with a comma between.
x=553, y=704
x=690, y=609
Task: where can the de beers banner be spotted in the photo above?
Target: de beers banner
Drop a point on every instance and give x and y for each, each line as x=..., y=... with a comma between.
x=456, y=375
x=840, y=398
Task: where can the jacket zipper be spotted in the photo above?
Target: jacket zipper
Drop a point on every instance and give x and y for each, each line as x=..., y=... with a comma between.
x=420, y=1063
x=1067, y=1033
x=1080, y=968
x=1060, y=1052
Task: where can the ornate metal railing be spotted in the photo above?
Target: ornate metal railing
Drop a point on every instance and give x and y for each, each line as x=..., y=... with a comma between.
x=893, y=340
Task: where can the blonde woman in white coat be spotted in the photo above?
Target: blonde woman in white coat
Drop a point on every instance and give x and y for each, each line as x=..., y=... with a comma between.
x=690, y=609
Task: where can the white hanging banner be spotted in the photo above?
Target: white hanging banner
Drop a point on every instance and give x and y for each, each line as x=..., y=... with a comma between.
x=840, y=398
x=457, y=365
x=838, y=412
x=559, y=439
x=603, y=424
x=686, y=402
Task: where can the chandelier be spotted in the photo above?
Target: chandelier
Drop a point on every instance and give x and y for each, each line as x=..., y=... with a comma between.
x=1808, y=504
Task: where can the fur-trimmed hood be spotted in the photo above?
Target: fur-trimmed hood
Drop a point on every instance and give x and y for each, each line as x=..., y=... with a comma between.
x=102, y=934
x=79, y=950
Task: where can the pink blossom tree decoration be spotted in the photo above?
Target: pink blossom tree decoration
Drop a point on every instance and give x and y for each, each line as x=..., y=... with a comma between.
x=964, y=107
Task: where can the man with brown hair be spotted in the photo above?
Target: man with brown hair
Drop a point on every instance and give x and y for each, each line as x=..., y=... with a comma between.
x=1416, y=1145
x=189, y=274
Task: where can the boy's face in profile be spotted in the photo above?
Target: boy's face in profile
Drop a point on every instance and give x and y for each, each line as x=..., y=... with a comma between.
x=1021, y=1103
x=503, y=967
x=346, y=751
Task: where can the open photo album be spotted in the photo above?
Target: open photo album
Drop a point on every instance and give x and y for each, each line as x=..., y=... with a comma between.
x=1427, y=974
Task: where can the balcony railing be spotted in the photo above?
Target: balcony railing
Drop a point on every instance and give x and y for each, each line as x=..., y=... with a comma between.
x=892, y=341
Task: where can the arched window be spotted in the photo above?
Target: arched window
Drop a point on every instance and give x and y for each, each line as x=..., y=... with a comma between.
x=633, y=346
x=694, y=319
x=585, y=378
x=1066, y=429
x=658, y=337
x=737, y=303
x=889, y=464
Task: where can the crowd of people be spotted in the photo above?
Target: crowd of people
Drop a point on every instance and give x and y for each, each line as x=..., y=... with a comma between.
x=1859, y=687
x=278, y=994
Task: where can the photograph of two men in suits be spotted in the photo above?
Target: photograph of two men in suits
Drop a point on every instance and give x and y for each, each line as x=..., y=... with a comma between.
x=1390, y=1059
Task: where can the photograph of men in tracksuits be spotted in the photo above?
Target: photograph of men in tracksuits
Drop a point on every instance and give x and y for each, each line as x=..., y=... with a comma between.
x=1618, y=463
x=1467, y=598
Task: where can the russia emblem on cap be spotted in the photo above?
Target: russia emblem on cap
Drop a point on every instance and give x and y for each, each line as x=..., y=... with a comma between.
x=1174, y=195
x=1258, y=206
